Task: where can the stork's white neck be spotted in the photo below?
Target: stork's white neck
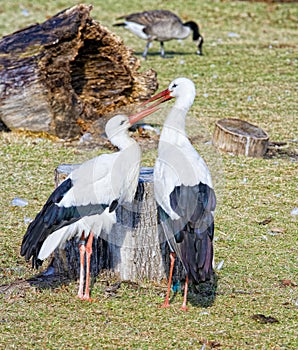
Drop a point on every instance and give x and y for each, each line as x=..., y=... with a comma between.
x=122, y=140
x=175, y=121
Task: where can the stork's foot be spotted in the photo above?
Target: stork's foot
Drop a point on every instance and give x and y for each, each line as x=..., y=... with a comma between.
x=165, y=304
x=184, y=308
x=86, y=298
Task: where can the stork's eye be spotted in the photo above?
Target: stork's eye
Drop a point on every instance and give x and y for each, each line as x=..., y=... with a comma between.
x=122, y=122
x=174, y=85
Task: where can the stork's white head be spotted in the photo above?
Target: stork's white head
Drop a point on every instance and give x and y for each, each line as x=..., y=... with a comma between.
x=182, y=89
x=117, y=131
x=117, y=125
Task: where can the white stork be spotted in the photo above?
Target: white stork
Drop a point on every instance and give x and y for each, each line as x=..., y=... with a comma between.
x=161, y=25
x=84, y=204
x=183, y=191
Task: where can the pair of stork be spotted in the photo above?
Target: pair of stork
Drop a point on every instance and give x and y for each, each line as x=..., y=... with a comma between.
x=84, y=204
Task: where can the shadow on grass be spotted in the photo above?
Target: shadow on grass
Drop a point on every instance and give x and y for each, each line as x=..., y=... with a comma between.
x=39, y=282
x=283, y=149
x=202, y=295
x=168, y=54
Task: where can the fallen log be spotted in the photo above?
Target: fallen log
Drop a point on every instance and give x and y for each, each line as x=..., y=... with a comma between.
x=240, y=138
x=62, y=75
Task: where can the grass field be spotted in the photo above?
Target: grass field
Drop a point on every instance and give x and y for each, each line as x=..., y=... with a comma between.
x=248, y=71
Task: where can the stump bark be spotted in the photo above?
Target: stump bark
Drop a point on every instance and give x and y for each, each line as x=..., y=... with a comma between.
x=62, y=75
x=134, y=250
x=240, y=138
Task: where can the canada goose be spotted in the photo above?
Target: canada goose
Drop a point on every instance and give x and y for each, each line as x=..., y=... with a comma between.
x=160, y=25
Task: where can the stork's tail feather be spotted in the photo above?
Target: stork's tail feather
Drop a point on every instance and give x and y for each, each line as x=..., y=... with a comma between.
x=203, y=271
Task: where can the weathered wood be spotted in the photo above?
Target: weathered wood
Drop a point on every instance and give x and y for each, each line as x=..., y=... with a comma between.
x=62, y=75
x=240, y=138
x=135, y=249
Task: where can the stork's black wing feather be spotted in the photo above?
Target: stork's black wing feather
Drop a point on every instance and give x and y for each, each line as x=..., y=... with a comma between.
x=51, y=218
x=191, y=236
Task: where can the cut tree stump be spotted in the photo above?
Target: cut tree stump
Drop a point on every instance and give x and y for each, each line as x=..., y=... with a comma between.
x=133, y=250
x=60, y=76
x=240, y=138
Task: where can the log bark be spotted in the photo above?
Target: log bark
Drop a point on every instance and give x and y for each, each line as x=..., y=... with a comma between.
x=240, y=138
x=62, y=75
x=134, y=250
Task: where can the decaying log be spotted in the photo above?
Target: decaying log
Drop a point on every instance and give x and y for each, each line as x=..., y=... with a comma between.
x=240, y=138
x=61, y=75
x=134, y=249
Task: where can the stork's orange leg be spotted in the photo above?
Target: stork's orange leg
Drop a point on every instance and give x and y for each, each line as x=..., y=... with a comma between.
x=82, y=250
x=167, y=303
x=88, y=258
x=183, y=307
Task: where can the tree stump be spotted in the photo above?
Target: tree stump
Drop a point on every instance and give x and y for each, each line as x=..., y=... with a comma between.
x=134, y=250
x=60, y=76
x=240, y=138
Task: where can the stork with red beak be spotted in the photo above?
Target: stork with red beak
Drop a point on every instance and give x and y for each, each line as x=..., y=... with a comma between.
x=183, y=191
x=84, y=204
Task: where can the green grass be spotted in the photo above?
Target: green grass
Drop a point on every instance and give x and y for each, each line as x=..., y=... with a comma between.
x=252, y=77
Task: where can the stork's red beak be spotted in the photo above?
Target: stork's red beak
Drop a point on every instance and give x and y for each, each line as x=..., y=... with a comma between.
x=142, y=114
x=161, y=97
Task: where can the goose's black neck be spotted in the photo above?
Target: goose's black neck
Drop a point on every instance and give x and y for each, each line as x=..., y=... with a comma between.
x=195, y=28
x=196, y=36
